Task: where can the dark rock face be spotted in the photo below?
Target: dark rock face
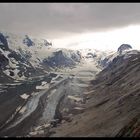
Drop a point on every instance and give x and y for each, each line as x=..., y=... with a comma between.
x=46, y=43
x=16, y=56
x=60, y=59
x=91, y=55
x=104, y=62
x=3, y=42
x=124, y=47
x=27, y=41
x=11, y=73
x=53, y=75
x=76, y=56
x=78, y=52
x=3, y=61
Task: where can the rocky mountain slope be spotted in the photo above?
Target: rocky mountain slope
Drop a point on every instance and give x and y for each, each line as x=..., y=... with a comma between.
x=112, y=105
x=23, y=57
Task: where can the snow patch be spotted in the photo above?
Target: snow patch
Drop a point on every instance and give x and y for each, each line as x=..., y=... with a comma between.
x=22, y=110
x=24, y=96
x=78, y=108
x=7, y=72
x=75, y=98
x=44, y=85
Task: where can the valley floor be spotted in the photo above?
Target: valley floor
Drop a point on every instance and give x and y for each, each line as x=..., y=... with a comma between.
x=32, y=105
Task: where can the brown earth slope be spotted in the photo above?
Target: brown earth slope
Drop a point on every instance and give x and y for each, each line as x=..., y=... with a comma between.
x=112, y=104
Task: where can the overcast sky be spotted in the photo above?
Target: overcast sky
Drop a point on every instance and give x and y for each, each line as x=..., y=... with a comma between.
x=58, y=20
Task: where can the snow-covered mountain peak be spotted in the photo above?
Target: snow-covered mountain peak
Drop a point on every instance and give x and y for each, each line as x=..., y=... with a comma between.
x=25, y=41
x=123, y=48
x=23, y=55
x=125, y=51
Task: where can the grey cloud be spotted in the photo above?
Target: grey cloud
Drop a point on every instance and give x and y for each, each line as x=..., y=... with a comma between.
x=61, y=19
